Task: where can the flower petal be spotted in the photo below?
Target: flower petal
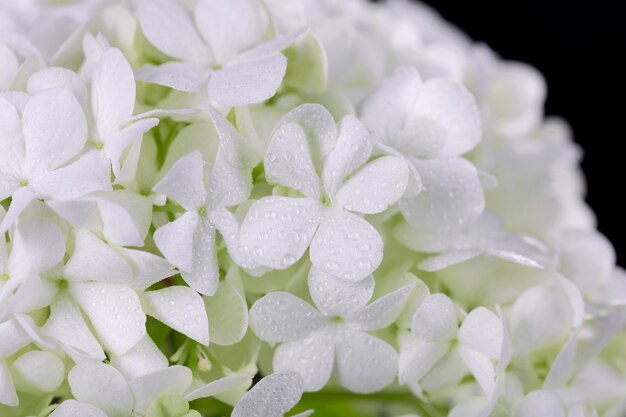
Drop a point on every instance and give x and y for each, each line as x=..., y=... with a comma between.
x=247, y=82
x=94, y=260
x=72, y=408
x=443, y=121
x=37, y=243
x=175, y=240
x=101, y=302
x=278, y=230
x=55, y=129
x=142, y=359
x=126, y=217
x=334, y=296
x=353, y=148
x=375, y=187
x=281, y=316
x=66, y=325
x=230, y=27
x=540, y=403
x=180, y=308
x=217, y=387
x=184, y=76
x=365, y=364
x=446, y=259
x=91, y=172
x=435, y=320
x=184, y=182
x=229, y=186
x=418, y=358
x=384, y=311
x=272, y=396
x=481, y=331
x=311, y=357
x=288, y=161
x=20, y=200
x=448, y=372
x=452, y=196
x=148, y=388
x=346, y=246
x=103, y=386
x=204, y=274
x=112, y=93
x=481, y=367
x=240, y=150
x=8, y=395
x=227, y=311
x=168, y=26
x=11, y=143
x=147, y=268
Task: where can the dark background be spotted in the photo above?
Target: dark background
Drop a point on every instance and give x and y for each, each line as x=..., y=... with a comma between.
x=577, y=45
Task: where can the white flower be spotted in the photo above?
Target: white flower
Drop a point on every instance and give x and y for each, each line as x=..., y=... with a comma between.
x=189, y=241
x=272, y=396
x=439, y=352
x=314, y=342
x=40, y=152
x=229, y=51
x=101, y=390
x=430, y=124
x=305, y=146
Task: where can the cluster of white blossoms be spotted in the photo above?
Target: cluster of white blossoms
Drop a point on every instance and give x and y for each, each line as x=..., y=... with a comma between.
x=260, y=207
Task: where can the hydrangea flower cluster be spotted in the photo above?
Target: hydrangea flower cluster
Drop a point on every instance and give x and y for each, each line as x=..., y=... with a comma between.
x=260, y=207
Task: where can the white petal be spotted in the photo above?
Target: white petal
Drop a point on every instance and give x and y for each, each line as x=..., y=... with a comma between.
x=11, y=142
x=37, y=243
x=72, y=408
x=435, y=320
x=175, y=240
x=142, y=359
x=8, y=395
x=446, y=259
x=481, y=331
x=228, y=226
x=247, y=82
x=334, y=296
x=103, y=386
x=57, y=77
x=184, y=182
x=272, y=396
x=481, y=367
x=448, y=372
x=277, y=44
x=94, y=260
x=281, y=316
x=168, y=26
x=147, y=268
x=55, y=129
x=229, y=186
x=217, y=387
x=230, y=27
x=20, y=199
x=277, y=230
x=184, y=76
x=540, y=404
x=419, y=358
x=444, y=121
x=101, y=303
x=365, y=363
x=471, y=407
x=384, y=112
x=38, y=372
x=353, y=148
x=112, y=93
x=148, y=388
x=452, y=195
x=180, y=308
x=240, y=150
x=204, y=274
x=311, y=357
x=288, y=161
x=346, y=246
x=14, y=337
x=227, y=311
x=126, y=217
x=563, y=365
x=320, y=127
x=384, y=311
x=374, y=188
x=91, y=172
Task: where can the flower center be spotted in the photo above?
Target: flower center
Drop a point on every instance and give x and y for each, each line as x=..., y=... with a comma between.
x=203, y=211
x=23, y=183
x=4, y=277
x=62, y=283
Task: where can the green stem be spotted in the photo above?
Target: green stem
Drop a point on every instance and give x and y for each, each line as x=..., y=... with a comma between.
x=170, y=208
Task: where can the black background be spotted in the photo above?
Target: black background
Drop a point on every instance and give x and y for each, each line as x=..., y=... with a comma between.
x=577, y=45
